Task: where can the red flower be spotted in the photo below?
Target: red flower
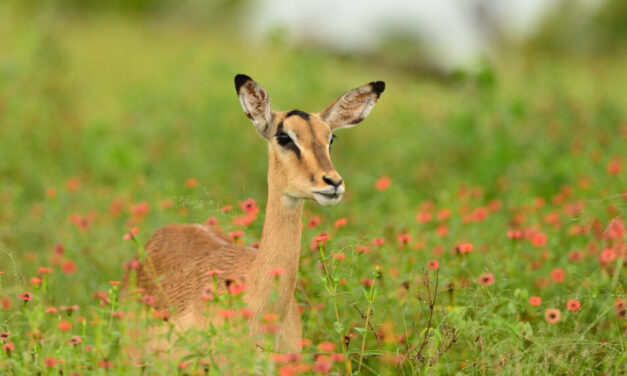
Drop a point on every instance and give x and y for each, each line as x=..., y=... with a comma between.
x=249, y=205
x=576, y=256
x=319, y=240
x=246, y=313
x=148, y=300
x=620, y=304
x=8, y=347
x=336, y=357
x=236, y=288
x=50, y=362
x=36, y=281
x=208, y=293
x=73, y=184
x=51, y=310
x=214, y=272
x=616, y=228
x=226, y=313
x=465, y=247
x=442, y=230
x=326, y=347
x=443, y=214
x=211, y=221
x=236, y=236
x=423, y=217
x=367, y=282
x=322, y=365
x=227, y=208
x=552, y=315
x=131, y=234
x=538, y=239
x=68, y=266
x=613, y=167
x=558, y=275
x=361, y=249
x=404, y=239
x=106, y=364
x=378, y=241
x=383, y=183
x=608, y=255
x=338, y=256
x=515, y=234
x=341, y=222
x=480, y=214
x=433, y=264
x=44, y=270
x=535, y=301
x=5, y=303
x=26, y=296
x=314, y=222
x=486, y=279
x=134, y=264
x=162, y=315
x=166, y=204
x=191, y=182
x=573, y=305
x=114, y=283
x=140, y=209
x=270, y=317
x=64, y=326
x=276, y=272
x=75, y=340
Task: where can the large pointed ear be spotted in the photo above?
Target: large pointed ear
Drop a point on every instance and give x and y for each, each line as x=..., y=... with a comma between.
x=255, y=102
x=353, y=106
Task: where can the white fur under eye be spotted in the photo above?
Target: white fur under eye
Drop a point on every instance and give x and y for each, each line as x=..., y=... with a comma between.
x=293, y=137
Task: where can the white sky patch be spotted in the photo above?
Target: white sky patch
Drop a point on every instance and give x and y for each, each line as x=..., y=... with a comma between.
x=451, y=31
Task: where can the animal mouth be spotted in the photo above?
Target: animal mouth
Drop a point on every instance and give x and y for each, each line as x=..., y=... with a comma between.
x=328, y=197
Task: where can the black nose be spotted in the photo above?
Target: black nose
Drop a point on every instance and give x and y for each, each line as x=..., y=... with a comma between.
x=335, y=183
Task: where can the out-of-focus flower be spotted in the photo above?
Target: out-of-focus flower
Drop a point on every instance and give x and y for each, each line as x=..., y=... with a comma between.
x=383, y=183
x=486, y=279
x=552, y=315
x=433, y=264
x=573, y=305
x=535, y=301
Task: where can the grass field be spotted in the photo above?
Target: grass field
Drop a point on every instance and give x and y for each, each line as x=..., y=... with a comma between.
x=514, y=182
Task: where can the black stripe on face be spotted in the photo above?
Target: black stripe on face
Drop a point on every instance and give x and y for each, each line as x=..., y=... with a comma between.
x=300, y=113
x=320, y=152
x=290, y=145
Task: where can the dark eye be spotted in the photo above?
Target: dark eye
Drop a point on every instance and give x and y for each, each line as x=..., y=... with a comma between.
x=283, y=139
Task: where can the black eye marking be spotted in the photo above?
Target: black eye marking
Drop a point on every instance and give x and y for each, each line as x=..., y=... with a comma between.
x=283, y=138
x=286, y=141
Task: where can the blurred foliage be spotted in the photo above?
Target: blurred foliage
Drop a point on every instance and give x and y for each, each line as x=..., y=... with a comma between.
x=192, y=10
x=611, y=23
x=573, y=27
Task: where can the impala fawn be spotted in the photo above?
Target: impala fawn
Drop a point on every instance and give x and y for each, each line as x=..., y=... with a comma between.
x=299, y=168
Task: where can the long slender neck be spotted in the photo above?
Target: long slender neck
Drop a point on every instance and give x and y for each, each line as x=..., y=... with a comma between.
x=279, y=249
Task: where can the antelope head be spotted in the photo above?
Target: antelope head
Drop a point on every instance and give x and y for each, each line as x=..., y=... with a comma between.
x=299, y=142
